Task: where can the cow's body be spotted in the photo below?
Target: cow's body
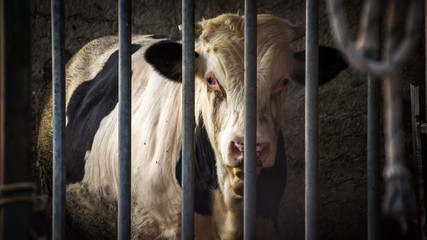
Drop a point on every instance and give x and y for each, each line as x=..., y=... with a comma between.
x=92, y=131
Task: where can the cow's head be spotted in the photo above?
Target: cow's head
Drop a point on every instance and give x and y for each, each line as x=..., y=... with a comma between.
x=220, y=84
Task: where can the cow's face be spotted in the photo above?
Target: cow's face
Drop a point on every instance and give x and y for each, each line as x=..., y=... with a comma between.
x=220, y=85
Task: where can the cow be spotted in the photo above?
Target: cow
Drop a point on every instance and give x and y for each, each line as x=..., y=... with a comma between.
x=91, y=155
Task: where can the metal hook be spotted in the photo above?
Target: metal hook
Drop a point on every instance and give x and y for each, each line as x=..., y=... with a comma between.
x=399, y=200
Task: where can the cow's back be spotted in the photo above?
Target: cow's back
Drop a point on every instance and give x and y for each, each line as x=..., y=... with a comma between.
x=81, y=67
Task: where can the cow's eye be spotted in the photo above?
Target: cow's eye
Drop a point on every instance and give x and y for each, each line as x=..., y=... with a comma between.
x=281, y=85
x=284, y=82
x=211, y=81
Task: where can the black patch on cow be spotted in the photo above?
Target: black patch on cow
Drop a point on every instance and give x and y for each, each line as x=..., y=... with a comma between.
x=166, y=58
x=90, y=102
x=159, y=36
x=205, y=171
x=331, y=63
x=271, y=185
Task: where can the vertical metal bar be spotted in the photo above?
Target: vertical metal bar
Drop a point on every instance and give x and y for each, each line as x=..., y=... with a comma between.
x=249, y=199
x=374, y=206
x=311, y=118
x=425, y=76
x=371, y=29
x=399, y=200
x=125, y=74
x=188, y=120
x=58, y=68
x=2, y=100
x=2, y=107
x=15, y=106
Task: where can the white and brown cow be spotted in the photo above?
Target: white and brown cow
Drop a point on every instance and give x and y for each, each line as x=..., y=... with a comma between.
x=92, y=129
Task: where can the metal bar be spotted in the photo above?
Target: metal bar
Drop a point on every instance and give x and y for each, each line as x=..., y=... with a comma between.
x=417, y=155
x=15, y=106
x=2, y=108
x=2, y=100
x=125, y=74
x=374, y=205
x=425, y=77
x=58, y=68
x=370, y=32
x=311, y=118
x=249, y=199
x=188, y=120
x=399, y=199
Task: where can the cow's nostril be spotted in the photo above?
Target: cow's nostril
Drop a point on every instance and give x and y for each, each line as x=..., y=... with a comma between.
x=260, y=146
x=237, y=151
x=239, y=146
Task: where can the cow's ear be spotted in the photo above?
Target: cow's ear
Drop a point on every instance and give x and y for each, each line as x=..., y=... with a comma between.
x=166, y=58
x=331, y=63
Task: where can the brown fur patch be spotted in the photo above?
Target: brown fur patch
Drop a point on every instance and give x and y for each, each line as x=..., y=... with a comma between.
x=84, y=218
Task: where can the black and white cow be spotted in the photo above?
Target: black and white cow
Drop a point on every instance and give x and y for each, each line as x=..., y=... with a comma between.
x=92, y=129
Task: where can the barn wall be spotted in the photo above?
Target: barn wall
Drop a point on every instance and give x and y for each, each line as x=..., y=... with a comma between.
x=342, y=126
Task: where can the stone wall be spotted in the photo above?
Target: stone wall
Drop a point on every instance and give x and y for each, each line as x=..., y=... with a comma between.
x=342, y=124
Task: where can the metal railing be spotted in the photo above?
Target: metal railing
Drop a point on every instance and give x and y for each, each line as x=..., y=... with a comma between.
x=58, y=74
x=402, y=32
x=125, y=74
x=188, y=145
x=311, y=114
x=17, y=192
x=250, y=56
x=311, y=118
x=188, y=120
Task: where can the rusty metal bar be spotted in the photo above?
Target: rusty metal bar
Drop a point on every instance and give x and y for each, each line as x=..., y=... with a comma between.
x=188, y=146
x=58, y=73
x=311, y=118
x=125, y=74
x=250, y=55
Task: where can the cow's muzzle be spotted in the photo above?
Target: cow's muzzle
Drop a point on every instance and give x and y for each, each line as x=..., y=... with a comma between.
x=238, y=152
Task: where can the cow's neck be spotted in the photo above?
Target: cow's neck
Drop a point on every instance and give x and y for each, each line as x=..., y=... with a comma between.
x=228, y=212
